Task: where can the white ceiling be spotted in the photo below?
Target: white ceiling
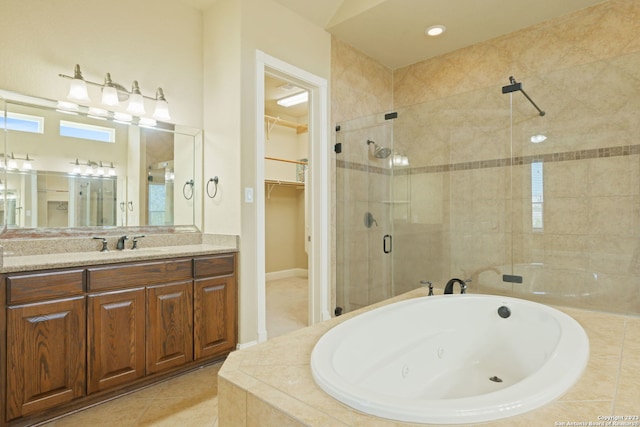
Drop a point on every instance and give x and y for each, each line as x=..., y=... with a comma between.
x=392, y=31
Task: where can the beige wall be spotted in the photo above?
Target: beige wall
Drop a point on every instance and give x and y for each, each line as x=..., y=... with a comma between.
x=284, y=205
x=284, y=223
x=131, y=47
x=120, y=37
x=253, y=25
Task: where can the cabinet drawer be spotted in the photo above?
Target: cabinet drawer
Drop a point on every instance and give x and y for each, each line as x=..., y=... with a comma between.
x=218, y=265
x=139, y=274
x=44, y=285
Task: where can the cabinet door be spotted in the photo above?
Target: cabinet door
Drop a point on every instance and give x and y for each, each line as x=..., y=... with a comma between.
x=46, y=355
x=215, y=316
x=169, y=326
x=116, y=323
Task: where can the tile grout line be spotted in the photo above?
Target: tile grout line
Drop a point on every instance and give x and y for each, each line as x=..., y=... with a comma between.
x=615, y=393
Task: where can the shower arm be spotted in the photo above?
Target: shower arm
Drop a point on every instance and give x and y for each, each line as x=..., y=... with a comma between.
x=515, y=86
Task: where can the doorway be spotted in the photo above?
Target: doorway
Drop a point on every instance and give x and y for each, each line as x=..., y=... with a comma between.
x=317, y=233
x=286, y=164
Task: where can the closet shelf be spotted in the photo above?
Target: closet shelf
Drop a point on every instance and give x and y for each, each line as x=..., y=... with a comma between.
x=272, y=183
x=284, y=183
x=272, y=121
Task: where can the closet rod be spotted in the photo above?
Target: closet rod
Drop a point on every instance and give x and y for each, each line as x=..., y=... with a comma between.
x=286, y=160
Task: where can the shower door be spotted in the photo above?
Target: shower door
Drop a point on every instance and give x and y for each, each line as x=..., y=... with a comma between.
x=364, y=226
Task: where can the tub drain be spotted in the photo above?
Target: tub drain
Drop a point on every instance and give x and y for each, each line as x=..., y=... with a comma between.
x=495, y=379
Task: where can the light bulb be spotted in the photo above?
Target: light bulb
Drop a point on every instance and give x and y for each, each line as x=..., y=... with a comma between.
x=109, y=92
x=78, y=91
x=78, y=87
x=136, y=102
x=162, y=107
x=110, y=96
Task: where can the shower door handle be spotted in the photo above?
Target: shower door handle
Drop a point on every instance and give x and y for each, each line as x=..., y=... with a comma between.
x=387, y=243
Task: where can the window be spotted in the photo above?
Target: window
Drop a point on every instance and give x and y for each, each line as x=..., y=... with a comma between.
x=86, y=131
x=537, y=197
x=21, y=122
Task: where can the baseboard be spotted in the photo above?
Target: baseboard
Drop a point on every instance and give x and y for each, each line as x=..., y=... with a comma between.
x=246, y=345
x=283, y=274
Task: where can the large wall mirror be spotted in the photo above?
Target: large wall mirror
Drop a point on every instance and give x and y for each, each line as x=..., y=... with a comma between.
x=73, y=169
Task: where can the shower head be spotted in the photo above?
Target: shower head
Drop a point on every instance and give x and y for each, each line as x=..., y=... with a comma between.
x=379, y=152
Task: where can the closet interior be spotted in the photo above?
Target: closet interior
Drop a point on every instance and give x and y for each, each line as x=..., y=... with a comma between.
x=286, y=213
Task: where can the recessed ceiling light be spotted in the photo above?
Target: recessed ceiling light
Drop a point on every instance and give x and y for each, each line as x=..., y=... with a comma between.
x=435, y=30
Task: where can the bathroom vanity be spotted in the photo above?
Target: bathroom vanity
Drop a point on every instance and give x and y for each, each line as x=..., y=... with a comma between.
x=79, y=328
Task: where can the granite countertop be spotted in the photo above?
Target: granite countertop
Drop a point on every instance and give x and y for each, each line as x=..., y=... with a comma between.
x=18, y=263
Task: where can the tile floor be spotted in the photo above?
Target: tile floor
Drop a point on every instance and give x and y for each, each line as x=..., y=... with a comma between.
x=287, y=305
x=192, y=399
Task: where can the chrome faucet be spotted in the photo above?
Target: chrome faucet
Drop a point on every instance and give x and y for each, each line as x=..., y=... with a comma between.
x=448, y=289
x=121, y=240
x=424, y=283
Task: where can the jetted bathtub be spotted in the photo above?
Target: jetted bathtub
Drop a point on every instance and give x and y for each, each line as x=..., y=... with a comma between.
x=451, y=359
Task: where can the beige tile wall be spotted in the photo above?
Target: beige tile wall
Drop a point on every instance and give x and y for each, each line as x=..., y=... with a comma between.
x=470, y=209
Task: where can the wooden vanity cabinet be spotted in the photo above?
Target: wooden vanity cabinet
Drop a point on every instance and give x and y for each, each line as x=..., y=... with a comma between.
x=169, y=326
x=45, y=341
x=116, y=338
x=81, y=335
x=215, y=306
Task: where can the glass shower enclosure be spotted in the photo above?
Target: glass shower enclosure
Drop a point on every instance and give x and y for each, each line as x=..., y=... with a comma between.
x=479, y=185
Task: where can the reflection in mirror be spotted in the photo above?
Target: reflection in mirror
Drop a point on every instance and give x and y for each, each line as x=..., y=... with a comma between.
x=50, y=199
x=84, y=168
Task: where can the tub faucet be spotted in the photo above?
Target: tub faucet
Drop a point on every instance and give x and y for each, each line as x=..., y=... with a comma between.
x=424, y=283
x=448, y=289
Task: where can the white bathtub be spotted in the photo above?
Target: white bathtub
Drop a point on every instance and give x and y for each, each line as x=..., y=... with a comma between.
x=440, y=359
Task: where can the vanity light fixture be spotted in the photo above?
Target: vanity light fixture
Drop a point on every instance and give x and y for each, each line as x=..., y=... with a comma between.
x=113, y=94
x=162, y=107
x=78, y=87
x=76, y=168
x=292, y=100
x=109, y=92
x=136, y=103
x=26, y=164
x=93, y=168
x=12, y=162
